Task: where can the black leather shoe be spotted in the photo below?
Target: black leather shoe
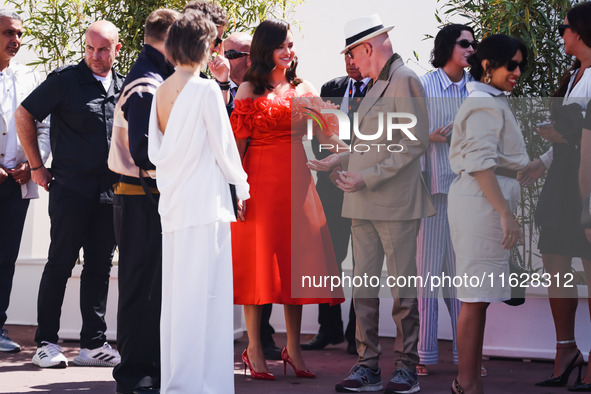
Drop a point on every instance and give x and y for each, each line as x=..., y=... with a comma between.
x=147, y=390
x=581, y=387
x=320, y=341
x=352, y=348
x=272, y=352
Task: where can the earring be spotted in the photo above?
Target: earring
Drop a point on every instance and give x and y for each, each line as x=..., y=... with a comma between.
x=487, y=78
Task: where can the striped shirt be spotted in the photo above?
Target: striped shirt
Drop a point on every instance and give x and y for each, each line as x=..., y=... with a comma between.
x=444, y=98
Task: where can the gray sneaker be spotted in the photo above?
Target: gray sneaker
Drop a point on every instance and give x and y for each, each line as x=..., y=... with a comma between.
x=403, y=381
x=8, y=345
x=361, y=378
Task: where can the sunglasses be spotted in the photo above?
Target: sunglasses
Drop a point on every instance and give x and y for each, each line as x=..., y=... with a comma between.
x=350, y=55
x=232, y=54
x=562, y=29
x=465, y=44
x=512, y=65
x=217, y=42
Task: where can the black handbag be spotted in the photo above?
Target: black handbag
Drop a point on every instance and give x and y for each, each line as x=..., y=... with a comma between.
x=516, y=270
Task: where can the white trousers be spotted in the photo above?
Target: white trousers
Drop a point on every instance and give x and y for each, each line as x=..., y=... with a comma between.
x=196, y=324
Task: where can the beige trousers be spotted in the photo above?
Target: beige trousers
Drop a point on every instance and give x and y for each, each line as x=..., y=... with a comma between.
x=396, y=240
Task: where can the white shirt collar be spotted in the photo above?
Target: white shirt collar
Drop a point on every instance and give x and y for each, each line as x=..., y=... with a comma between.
x=106, y=81
x=483, y=87
x=352, y=81
x=446, y=82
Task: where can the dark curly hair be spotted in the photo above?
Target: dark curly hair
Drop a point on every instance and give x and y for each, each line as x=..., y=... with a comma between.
x=211, y=9
x=268, y=36
x=498, y=49
x=445, y=41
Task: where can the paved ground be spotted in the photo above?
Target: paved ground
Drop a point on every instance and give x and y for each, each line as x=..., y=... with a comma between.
x=19, y=375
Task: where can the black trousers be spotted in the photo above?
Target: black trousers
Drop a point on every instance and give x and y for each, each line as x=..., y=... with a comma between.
x=329, y=317
x=13, y=210
x=76, y=222
x=267, y=329
x=139, y=236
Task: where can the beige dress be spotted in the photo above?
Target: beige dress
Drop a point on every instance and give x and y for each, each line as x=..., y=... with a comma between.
x=486, y=135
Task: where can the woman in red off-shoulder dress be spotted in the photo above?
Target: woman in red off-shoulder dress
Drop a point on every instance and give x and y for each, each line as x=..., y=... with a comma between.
x=283, y=236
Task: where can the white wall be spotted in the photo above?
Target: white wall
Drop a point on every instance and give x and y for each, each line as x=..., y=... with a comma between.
x=319, y=42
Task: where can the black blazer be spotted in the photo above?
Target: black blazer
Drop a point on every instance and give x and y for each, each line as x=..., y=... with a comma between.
x=335, y=90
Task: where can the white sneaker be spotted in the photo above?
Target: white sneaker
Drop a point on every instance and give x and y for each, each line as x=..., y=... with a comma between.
x=104, y=356
x=50, y=356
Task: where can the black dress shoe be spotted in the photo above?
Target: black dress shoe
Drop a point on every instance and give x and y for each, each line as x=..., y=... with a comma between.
x=320, y=341
x=147, y=390
x=272, y=352
x=352, y=348
x=581, y=387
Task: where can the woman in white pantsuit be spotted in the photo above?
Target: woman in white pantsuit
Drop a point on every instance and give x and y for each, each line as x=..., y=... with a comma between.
x=487, y=150
x=192, y=146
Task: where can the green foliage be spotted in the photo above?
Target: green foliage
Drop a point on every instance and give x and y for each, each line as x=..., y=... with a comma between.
x=55, y=29
x=535, y=23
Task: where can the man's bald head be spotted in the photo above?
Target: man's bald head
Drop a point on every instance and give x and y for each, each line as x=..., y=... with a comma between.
x=105, y=29
x=102, y=46
x=239, y=42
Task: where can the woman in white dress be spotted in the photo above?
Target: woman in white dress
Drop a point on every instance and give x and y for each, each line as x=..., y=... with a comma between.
x=487, y=150
x=192, y=145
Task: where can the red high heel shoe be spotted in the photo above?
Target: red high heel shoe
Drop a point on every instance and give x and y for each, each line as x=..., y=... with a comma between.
x=254, y=374
x=299, y=372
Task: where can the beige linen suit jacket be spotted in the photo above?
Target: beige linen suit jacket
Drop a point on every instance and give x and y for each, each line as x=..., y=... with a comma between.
x=395, y=188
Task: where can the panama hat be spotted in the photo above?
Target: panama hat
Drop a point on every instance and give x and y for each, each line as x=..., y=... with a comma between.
x=362, y=29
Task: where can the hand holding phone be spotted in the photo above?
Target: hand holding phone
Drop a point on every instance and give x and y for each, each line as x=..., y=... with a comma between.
x=543, y=125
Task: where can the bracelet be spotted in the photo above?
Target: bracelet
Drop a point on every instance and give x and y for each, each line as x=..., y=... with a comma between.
x=36, y=168
x=223, y=85
x=567, y=342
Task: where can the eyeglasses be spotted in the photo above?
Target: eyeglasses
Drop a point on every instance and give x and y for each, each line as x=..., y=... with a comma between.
x=512, y=65
x=217, y=42
x=562, y=29
x=350, y=55
x=465, y=44
x=232, y=54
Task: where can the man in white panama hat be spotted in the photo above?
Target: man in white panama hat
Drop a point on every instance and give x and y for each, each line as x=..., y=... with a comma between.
x=385, y=197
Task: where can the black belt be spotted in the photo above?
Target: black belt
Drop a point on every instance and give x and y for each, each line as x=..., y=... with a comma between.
x=506, y=172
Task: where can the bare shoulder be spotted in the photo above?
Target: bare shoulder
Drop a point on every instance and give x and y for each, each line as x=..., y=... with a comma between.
x=167, y=87
x=245, y=90
x=306, y=87
x=166, y=96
